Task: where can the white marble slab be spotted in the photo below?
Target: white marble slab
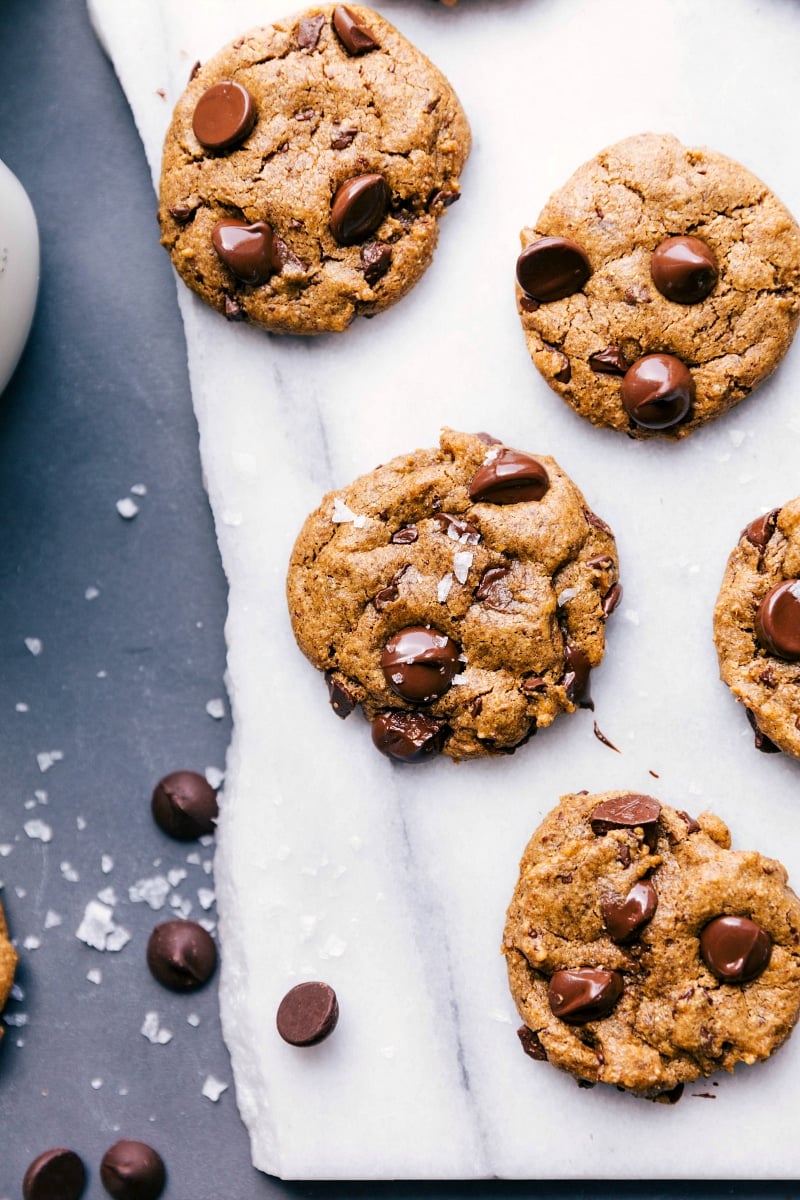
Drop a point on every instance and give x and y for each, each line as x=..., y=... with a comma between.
x=392, y=883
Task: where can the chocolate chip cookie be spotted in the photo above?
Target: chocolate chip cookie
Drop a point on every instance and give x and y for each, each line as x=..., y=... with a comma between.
x=458, y=595
x=306, y=168
x=757, y=627
x=659, y=286
x=8, y=963
x=642, y=951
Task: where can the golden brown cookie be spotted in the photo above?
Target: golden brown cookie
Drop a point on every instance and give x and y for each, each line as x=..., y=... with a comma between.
x=459, y=595
x=306, y=168
x=659, y=286
x=642, y=951
x=8, y=963
x=757, y=627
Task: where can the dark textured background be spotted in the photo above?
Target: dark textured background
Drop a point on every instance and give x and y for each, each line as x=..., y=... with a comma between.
x=100, y=402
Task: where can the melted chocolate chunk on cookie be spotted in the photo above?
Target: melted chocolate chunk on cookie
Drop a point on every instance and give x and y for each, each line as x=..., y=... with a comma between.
x=408, y=736
x=308, y=1014
x=735, y=949
x=355, y=38
x=585, y=994
x=530, y=1044
x=552, y=268
x=246, y=250
x=376, y=258
x=759, y=531
x=510, y=478
x=631, y=811
x=610, y=361
x=658, y=391
x=576, y=676
x=762, y=743
x=684, y=269
x=492, y=591
x=777, y=623
x=308, y=32
x=341, y=699
x=224, y=116
x=358, y=208
x=405, y=536
x=624, y=919
x=419, y=664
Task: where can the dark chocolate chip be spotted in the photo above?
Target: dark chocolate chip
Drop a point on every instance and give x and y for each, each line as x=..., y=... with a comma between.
x=488, y=439
x=406, y=535
x=600, y=562
x=576, y=676
x=195, y=68
x=528, y=305
x=608, y=362
x=611, y=599
x=443, y=198
x=133, y=1171
x=341, y=700
x=184, y=805
x=530, y=1044
x=233, y=309
x=672, y=1096
x=181, y=213
x=533, y=683
x=54, y=1175
x=354, y=37
x=224, y=115
x=692, y=826
x=762, y=742
x=343, y=139
x=510, y=478
x=358, y=208
x=597, y=522
x=247, y=250
x=759, y=531
x=684, y=269
x=308, y=32
x=376, y=258
x=489, y=591
x=735, y=949
x=601, y=737
x=283, y=256
x=552, y=268
x=584, y=994
x=777, y=624
x=408, y=736
x=624, y=918
x=631, y=811
x=181, y=955
x=657, y=391
x=307, y=1014
x=457, y=529
x=564, y=372
x=386, y=596
x=420, y=664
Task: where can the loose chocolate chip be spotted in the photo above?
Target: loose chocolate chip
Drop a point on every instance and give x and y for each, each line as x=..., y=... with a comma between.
x=420, y=664
x=759, y=531
x=233, y=309
x=510, y=478
x=460, y=531
x=608, y=362
x=735, y=949
x=611, y=599
x=224, y=115
x=762, y=742
x=54, y=1175
x=354, y=37
x=530, y=1044
x=631, y=811
x=597, y=522
x=624, y=918
x=181, y=213
x=358, y=208
x=564, y=372
x=343, y=139
x=247, y=250
x=341, y=700
x=408, y=736
x=490, y=590
x=552, y=268
x=585, y=994
x=184, y=805
x=692, y=826
x=657, y=391
x=376, y=258
x=307, y=1014
x=308, y=32
x=576, y=676
x=181, y=955
x=684, y=269
x=406, y=535
x=777, y=623
x=133, y=1171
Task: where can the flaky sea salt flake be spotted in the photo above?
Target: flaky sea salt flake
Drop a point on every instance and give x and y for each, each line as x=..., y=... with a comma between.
x=91, y=593
x=152, y=1029
x=462, y=561
x=52, y=919
x=139, y=489
x=214, y=776
x=152, y=891
x=443, y=588
x=48, y=758
x=207, y=898
x=38, y=830
x=21, y=707
x=216, y=708
x=127, y=508
x=35, y=645
x=342, y=515
x=106, y=864
x=193, y=1020
x=32, y=942
x=95, y=976
x=213, y=1088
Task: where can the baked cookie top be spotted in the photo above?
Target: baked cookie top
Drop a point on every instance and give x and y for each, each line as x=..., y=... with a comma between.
x=306, y=168
x=642, y=951
x=757, y=627
x=8, y=964
x=668, y=290
x=458, y=594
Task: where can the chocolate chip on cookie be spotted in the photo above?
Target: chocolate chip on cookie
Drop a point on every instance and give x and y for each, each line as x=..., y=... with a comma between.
x=647, y=961
x=659, y=286
x=458, y=595
x=306, y=169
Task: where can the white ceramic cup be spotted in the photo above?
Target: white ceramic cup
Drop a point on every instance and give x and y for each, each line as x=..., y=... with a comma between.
x=19, y=270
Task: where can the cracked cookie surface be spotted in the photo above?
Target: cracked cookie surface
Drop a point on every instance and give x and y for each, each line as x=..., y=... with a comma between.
x=683, y=1004
x=619, y=208
x=8, y=963
x=326, y=109
x=759, y=666
x=502, y=601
